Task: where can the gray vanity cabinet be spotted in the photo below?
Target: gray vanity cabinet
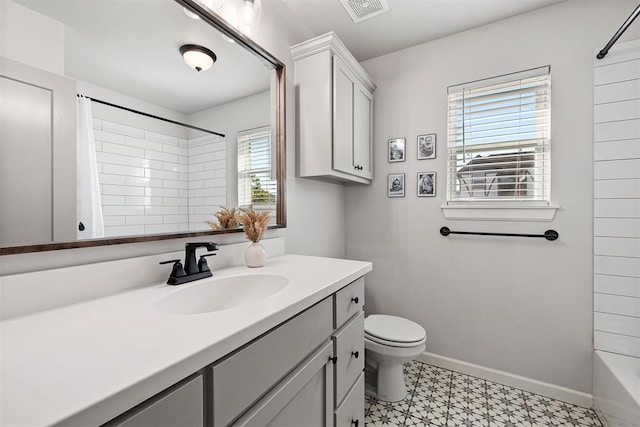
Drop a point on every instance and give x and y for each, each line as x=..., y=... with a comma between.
x=325, y=388
x=350, y=413
x=308, y=371
x=303, y=398
x=181, y=405
x=240, y=380
x=348, y=339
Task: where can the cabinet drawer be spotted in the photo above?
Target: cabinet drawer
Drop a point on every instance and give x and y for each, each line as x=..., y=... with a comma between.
x=351, y=412
x=348, y=301
x=349, y=348
x=245, y=376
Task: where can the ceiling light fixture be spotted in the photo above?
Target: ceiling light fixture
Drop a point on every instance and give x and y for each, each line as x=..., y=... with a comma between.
x=249, y=16
x=197, y=57
x=208, y=4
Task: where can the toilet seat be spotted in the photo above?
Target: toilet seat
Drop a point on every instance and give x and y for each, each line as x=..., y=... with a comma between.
x=393, y=343
x=393, y=331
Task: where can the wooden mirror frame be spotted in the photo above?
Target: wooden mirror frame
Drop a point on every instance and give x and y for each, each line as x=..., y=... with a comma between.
x=279, y=91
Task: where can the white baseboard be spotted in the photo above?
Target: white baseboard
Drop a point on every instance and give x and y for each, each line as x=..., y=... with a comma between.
x=523, y=383
x=602, y=417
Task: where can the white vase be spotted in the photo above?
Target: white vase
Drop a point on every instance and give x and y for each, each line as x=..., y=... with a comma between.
x=255, y=255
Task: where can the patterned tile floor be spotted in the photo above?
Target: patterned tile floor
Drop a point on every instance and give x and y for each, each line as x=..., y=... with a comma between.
x=439, y=397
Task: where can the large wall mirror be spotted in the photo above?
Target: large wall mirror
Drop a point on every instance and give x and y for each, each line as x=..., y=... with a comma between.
x=107, y=136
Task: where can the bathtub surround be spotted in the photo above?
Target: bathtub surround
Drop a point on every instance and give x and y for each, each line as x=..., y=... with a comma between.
x=516, y=305
x=616, y=395
x=616, y=251
x=617, y=200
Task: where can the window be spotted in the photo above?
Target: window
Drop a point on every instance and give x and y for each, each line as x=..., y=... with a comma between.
x=499, y=140
x=255, y=183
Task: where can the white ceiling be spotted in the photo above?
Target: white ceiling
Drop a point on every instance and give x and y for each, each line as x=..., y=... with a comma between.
x=408, y=22
x=131, y=46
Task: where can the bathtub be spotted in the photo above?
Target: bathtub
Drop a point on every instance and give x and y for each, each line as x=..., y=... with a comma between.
x=616, y=391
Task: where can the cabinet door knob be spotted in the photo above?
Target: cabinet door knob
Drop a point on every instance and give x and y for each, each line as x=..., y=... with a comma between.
x=355, y=423
x=355, y=299
x=333, y=359
x=355, y=354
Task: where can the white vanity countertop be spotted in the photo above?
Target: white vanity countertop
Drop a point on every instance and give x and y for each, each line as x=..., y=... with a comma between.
x=86, y=363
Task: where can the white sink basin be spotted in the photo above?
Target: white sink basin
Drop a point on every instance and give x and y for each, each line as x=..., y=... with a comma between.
x=220, y=293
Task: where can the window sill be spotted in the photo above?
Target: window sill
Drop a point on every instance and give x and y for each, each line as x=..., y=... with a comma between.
x=500, y=213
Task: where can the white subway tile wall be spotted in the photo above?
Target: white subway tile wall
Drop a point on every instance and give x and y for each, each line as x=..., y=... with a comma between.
x=616, y=245
x=207, y=161
x=157, y=183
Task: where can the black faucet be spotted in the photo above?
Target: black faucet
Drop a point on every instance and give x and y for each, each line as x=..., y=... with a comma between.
x=192, y=270
x=190, y=265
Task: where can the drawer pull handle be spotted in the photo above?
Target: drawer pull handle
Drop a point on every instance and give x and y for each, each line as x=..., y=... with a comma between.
x=355, y=423
x=355, y=299
x=355, y=354
x=333, y=359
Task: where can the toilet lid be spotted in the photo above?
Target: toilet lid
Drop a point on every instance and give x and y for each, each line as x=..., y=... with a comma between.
x=393, y=329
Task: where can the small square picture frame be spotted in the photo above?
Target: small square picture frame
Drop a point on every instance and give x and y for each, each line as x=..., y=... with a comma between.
x=397, y=150
x=426, y=146
x=427, y=184
x=395, y=185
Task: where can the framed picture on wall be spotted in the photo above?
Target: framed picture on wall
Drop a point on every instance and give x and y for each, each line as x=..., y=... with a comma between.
x=426, y=184
x=396, y=185
x=427, y=146
x=397, y=150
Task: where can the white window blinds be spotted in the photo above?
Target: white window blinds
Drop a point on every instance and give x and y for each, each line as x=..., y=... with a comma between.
x=255, y=184
x=499, y=138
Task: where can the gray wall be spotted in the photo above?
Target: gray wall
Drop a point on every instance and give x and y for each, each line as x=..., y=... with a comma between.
x=315, y=210
x=518, y=305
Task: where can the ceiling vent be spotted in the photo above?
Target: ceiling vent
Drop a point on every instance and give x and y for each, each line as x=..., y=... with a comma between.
x=359, y=10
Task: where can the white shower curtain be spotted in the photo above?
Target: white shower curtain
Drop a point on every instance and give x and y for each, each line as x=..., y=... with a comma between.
x=90, y=222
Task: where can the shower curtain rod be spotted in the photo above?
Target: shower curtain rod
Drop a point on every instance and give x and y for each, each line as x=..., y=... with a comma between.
x=617, y=35
x=142, y=113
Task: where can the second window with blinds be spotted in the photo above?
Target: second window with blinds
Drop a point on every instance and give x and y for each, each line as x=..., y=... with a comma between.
x=499, y=141
x=256, y=184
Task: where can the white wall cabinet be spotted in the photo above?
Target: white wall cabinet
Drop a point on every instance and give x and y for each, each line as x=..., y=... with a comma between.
x=306, y=372
x=334, y=106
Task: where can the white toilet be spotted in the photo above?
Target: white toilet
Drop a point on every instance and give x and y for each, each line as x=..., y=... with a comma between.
x=390, y=342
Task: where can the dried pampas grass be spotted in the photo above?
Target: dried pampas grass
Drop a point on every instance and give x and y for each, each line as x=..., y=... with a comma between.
x=254, y=223
x=226, y=218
